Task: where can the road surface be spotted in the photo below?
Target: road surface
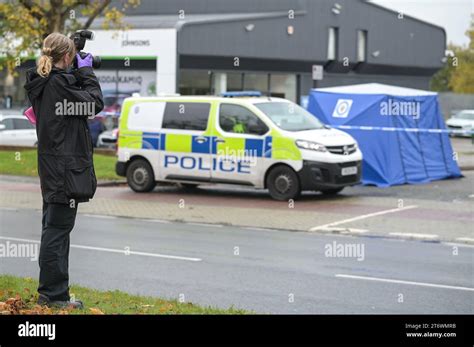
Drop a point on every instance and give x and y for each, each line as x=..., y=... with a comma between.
x=266, y=271
x=442, y=210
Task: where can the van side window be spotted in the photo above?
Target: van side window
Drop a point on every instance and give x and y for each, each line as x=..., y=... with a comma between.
x=240, y=120
x=186, y=115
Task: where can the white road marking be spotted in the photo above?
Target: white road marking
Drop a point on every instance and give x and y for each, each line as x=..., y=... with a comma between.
x=205, y=225
x=156, y=221
x=416, y=236
x=423, y=284
x=257, y=229
x=375, y=214
x=99, y=216
x=111, y=250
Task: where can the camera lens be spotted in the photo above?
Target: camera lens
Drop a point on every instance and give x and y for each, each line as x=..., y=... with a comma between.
x=96, y=62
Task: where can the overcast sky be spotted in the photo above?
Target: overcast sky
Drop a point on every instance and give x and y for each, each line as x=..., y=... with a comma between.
x=453, y=15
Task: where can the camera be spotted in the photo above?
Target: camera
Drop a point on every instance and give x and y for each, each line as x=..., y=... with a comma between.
x=80, y=37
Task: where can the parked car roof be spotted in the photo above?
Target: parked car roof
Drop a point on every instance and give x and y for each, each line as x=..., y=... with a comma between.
x=18, y=116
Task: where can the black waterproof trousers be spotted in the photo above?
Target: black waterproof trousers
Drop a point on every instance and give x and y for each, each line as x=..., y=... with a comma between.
x=58, y=221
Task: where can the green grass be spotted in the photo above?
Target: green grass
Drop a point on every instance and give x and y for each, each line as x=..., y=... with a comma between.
x=107, y=302
x=24, y=163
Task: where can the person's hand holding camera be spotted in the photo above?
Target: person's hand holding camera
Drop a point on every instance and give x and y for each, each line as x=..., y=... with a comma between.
x=84, y=62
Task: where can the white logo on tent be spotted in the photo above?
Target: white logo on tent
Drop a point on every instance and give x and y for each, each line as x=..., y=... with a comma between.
x=342, y=109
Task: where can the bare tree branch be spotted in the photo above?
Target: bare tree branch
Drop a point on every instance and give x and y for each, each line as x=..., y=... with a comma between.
x=28, y=4
x=74, y=5
x=96, y=12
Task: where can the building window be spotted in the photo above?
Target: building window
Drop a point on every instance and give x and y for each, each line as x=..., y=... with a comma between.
x=254, y=81
x=194, y=82
x=333, y=43
x=283, y=86
x=361, y=45
x=234, y=82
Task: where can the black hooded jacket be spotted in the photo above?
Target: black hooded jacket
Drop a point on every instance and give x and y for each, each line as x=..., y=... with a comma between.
x=62, y=103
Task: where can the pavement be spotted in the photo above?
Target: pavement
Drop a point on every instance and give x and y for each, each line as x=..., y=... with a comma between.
x=259, y=270
x=464, y=149
x=441, y=211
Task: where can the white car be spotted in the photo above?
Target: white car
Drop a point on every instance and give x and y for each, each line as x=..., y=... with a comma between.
x=16, y=130
x=462, y=122
x=108, y=139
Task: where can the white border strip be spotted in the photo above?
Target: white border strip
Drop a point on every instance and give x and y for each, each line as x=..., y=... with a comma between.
x=102, y=216
x=364, y=216
x=111, y=250
x=423, y=284
x=416, y=236
x=421, y=130
x=465, y=239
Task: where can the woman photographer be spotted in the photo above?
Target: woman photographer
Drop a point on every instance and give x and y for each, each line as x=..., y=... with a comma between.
x=65, y=165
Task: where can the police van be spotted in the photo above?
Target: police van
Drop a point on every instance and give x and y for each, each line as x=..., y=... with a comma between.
x=238, y=138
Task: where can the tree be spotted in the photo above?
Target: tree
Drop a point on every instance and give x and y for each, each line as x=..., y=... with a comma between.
x=25, y=23
x=458, y=73
x=440, y=80
x=462, y=78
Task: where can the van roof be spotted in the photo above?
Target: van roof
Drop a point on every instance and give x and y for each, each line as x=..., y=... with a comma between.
x=252, y=100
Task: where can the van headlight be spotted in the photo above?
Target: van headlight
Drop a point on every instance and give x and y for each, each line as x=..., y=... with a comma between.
x=312, y=146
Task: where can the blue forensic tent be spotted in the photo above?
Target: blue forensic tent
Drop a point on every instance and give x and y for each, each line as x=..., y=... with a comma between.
x=400, y=131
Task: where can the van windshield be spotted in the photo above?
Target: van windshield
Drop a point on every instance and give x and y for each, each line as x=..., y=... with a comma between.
x=289, y=116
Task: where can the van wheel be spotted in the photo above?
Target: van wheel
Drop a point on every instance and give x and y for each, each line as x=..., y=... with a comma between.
x=283, y=183
x=331, y=191
x=140, y=176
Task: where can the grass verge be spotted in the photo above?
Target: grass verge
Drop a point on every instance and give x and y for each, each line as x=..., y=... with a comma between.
x=18, y=296
x=24, y=163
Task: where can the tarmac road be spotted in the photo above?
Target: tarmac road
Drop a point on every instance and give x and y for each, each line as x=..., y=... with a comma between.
x=441, y=210
x=260, y=270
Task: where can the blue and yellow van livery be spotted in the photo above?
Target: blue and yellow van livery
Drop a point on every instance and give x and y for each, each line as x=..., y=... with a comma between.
x=266, y=143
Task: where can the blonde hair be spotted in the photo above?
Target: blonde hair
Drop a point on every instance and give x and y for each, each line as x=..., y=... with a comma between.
x=55, y=46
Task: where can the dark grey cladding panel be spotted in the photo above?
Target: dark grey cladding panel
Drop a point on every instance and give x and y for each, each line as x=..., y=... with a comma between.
x=161, y=7
x=391, y=41
x=296, y=66
x=398, y=42
x=268, y=39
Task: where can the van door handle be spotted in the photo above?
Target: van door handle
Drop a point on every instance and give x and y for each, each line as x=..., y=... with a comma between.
x=201, y=139
x=219, y=140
